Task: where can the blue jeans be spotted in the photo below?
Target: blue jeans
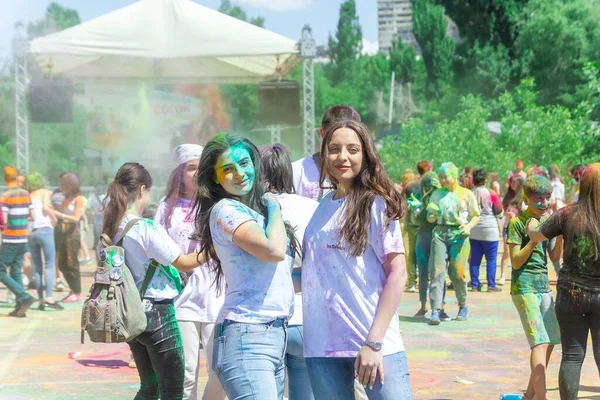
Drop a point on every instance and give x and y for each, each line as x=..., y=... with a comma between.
x=479, y=248
x=42, y=241
x=297, y=373
x=12, y=254
x=332, y=378
x=249, y=359
x=158, y=355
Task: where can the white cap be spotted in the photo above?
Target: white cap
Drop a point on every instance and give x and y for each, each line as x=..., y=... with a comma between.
x=187, y=152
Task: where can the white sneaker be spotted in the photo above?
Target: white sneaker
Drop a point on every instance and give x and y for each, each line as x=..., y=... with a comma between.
x=412, y=289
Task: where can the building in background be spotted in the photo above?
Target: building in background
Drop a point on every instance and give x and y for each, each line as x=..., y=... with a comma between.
x=394, y=19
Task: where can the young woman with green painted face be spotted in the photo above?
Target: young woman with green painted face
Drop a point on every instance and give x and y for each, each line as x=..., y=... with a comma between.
x=455, y=211
x=242, y=230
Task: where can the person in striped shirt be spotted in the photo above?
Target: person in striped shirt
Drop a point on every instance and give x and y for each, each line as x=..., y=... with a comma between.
x=17, y=210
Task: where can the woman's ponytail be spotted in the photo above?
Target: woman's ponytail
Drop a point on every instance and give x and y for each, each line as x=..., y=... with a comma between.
x=122, y=191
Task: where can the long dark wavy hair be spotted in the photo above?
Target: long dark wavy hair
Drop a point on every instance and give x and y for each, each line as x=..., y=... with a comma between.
x=122, y=191
x=210, y=193
x=372, y=181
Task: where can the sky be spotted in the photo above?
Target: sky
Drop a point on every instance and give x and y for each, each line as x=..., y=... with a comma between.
x=286, y=17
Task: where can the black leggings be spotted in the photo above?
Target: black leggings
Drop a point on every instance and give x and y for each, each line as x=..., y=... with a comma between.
x=68, y=241
x=578, y=312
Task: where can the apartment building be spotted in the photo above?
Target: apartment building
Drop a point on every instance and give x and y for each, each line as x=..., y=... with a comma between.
x=394, y=20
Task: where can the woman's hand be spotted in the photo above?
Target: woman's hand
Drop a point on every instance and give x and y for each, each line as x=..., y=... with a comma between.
x=368, y=363
x=270, y=200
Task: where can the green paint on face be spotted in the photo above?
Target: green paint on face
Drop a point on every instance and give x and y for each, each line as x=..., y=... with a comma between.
x=235, y=171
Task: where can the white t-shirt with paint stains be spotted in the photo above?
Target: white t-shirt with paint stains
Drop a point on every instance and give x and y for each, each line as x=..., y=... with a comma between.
x=144, y=241
x=198, y=301
x=257, y=291
x=341, y=293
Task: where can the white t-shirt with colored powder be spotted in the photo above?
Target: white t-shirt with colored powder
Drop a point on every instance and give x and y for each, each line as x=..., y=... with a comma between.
x=341, y=293
x=198, y=301
x=306, y=179
x=144, y=241
x=298, y=211
x=257, y=291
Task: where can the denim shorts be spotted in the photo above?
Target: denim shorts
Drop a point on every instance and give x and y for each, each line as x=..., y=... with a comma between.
x=538, y=318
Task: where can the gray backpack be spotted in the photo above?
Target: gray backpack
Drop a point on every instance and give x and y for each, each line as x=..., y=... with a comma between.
x=113, y=311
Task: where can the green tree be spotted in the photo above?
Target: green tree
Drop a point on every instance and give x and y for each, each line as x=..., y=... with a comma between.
x=56, y=19
x=44, y=139
x=488, y=70
x=557, y=38
x=346, y=47
x=403, y=61
x=493, y=22
x=429, y=25
x=243, y=98
x=539, y=134
x=237, y=12
x=372, y=80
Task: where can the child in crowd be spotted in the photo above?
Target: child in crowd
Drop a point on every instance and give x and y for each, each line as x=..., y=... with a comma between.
x=530, y=288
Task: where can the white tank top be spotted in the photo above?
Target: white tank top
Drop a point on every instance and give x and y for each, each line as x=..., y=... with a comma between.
x=41, y=220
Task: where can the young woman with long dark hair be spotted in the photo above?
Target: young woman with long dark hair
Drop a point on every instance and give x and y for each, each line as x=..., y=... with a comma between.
x=198, y=305
x=297, y=210
x=354, y=273
x=158, y=351
x=67, y=234
x=577, y=300
x=240, y=227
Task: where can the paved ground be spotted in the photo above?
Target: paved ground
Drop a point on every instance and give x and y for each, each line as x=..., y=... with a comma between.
x=489, y=349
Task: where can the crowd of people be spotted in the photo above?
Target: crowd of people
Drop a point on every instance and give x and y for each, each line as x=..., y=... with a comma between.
x=279, y=269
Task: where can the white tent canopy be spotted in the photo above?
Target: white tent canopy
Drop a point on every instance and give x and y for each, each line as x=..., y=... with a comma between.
x=169, y=40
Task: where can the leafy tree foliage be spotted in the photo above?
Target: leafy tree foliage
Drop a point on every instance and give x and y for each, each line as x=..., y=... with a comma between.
x=429, y=25
x=542, y=135
x=242, y=98
x=557, y=38
x=346, y=47
x=493, y=22
x=403, y=61
x=53, y=147
x=56, y=19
